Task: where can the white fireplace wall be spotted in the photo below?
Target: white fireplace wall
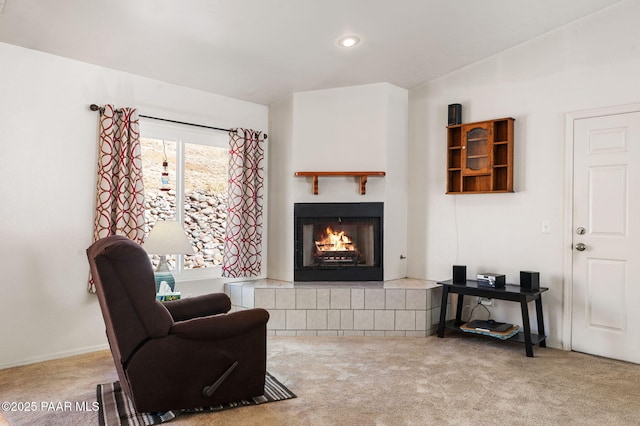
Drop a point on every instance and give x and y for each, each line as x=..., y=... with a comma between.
x=280, y=222
x=360, y=128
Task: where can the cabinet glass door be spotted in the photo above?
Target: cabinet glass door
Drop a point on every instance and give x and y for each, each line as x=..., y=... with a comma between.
x=477, y=151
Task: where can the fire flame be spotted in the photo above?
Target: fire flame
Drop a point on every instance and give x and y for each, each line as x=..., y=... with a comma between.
x=335, y=241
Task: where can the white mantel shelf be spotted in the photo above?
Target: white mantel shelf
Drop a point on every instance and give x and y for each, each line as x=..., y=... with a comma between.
x=362, y=175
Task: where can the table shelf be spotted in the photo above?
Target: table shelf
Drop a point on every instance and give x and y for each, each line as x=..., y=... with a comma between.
x=519, y=337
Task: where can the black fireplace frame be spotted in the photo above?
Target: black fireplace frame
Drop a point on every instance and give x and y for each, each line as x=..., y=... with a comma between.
x=303, y=211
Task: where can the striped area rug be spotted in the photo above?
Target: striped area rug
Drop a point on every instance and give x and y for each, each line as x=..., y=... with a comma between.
x=117, y=409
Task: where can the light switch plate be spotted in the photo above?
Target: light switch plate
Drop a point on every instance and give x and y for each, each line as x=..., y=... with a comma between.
x=546, y=227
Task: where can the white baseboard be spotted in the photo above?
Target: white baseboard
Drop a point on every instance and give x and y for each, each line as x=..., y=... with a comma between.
x=57, y=355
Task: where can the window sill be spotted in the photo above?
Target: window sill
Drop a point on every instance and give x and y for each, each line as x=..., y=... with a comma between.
x=198, y=274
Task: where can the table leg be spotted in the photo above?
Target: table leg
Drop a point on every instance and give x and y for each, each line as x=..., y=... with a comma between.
x=459, y=308
x=443, y=310
x=540, y=318
x=527, y=327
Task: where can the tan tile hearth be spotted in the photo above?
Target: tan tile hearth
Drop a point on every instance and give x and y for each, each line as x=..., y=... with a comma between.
x=398, y=308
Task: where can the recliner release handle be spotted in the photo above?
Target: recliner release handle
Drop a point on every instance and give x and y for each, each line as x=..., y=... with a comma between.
x=209, y=390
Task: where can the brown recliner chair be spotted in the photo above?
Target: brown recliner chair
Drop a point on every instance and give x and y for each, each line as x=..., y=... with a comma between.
x=181, y=354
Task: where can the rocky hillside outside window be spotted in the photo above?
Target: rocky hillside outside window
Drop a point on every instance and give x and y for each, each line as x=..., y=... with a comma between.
x=195, y=195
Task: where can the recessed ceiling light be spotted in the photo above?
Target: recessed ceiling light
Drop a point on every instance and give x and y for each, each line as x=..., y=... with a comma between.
x=349, y=41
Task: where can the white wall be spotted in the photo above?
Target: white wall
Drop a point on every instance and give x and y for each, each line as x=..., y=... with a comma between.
x=396, y=232
x=592, y=63
x=359, y=128
x=280, y=228
x=47, y=185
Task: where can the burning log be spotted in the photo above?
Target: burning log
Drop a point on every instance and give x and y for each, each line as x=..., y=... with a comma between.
x=336, y=248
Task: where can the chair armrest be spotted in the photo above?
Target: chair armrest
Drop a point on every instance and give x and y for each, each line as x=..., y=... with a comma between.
x=198, y=306
x=221, y=326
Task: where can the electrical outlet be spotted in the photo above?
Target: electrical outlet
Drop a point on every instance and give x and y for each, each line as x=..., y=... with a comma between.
x=486, y=301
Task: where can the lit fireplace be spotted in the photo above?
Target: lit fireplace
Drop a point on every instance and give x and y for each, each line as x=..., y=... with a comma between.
x=338, y=241
x=336, y=248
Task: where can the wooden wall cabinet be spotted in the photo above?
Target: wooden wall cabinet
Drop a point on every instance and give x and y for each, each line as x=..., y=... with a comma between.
x=480, y=157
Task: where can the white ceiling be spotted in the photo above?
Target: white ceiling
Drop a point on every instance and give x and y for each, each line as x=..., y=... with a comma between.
x=264, y=50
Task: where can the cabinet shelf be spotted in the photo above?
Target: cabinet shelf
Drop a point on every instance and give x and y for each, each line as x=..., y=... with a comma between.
x=362, y=175
x=480, y=157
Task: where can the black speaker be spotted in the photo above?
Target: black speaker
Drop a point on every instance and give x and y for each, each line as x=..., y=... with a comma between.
x=529, y=280
x=455, y=114
x=459, y=274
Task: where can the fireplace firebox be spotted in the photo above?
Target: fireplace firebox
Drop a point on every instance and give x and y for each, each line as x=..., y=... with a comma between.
x=338, y=241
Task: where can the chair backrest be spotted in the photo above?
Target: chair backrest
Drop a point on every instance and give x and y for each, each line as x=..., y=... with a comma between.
x=123, y=275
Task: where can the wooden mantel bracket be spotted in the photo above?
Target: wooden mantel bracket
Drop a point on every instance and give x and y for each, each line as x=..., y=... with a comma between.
x=362, y=175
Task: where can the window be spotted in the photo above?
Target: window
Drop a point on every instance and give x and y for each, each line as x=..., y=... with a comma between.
x=197, y=165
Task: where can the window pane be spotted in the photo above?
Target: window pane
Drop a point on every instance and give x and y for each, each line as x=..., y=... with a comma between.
x=205, y=203
x=205, y=196
x=158, y=205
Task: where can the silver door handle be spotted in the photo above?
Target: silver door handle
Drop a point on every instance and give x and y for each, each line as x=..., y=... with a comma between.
x=580, y=247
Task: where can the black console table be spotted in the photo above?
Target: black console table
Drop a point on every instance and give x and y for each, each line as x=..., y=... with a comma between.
x=509, y=292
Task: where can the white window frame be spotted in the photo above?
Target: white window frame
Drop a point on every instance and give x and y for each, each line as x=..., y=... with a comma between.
x=183, y=134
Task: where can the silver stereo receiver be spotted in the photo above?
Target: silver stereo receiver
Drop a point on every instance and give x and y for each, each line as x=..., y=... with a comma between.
x=491, y=280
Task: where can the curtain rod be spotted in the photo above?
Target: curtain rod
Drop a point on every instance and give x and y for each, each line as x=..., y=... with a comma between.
x=95, y=107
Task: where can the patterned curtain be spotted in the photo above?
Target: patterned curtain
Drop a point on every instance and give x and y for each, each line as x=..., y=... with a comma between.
x=120, y=192
x=242, y=255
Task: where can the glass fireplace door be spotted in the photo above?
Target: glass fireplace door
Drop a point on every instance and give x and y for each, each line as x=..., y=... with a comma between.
x=333, y=242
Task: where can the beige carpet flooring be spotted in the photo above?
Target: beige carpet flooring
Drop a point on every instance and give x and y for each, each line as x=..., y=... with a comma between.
x=458, y=380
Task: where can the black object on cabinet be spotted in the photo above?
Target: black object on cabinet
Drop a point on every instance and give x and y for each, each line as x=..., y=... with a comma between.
x=455, y=114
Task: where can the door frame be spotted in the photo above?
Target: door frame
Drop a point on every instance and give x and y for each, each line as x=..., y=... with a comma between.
x=568, y=207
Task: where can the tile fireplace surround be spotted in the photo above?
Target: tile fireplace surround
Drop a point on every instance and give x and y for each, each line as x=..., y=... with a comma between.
x=398, y=308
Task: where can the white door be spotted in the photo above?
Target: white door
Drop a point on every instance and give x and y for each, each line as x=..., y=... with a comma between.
x=605, y=317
